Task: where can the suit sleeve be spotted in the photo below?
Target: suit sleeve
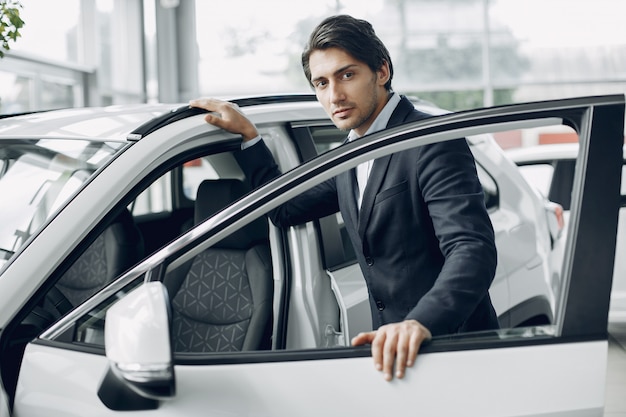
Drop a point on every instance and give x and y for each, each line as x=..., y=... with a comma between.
x=259, y=166
x=454, y=198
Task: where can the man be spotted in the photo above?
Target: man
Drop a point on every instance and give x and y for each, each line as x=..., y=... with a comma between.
x=418, y=222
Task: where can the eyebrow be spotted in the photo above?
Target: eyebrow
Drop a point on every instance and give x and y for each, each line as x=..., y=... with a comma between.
x=339, y=71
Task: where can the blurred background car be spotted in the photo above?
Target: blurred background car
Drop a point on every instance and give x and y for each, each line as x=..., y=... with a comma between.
x=551, y=168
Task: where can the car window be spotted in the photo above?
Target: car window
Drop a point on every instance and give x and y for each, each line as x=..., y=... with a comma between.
x=313, y=139
x=89, y=328
x=125, y=237
x=40, y=176
x=326, y=137
x=157, y=198
x=163, y=195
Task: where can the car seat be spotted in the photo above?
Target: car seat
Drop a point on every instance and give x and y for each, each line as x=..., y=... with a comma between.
x=116, y=249
x=222, y=298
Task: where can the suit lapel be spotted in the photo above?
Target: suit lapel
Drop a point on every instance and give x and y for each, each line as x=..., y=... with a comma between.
x=374, y=182
x=401, y=112
x=346, y=193
x=379, y=168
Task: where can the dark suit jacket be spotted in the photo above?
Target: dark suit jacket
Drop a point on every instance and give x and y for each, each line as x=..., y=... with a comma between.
x=423, y=237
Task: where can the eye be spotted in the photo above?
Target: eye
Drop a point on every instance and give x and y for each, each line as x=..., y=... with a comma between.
x=348, y=75
x=319, y=84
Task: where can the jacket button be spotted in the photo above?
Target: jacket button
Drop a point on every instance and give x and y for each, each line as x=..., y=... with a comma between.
x=369, y=261
x=380, y=305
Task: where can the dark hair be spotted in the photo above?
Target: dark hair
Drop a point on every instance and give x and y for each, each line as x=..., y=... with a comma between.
x=355, y=36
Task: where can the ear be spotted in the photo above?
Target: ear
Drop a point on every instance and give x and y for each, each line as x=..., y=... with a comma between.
x=382, y=75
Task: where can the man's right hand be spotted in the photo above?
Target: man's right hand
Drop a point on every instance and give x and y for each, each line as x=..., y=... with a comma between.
x=227, y=116
x=394, y=342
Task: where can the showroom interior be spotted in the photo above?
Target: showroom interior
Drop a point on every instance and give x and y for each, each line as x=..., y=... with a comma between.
x=456, y=54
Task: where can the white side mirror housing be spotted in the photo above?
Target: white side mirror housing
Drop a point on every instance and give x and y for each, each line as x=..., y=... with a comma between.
x=138, y=346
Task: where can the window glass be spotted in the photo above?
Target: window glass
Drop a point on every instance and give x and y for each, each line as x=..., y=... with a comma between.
x=160, y=196
x=528, y=237
x=327, y=137
x=193, y=173
x=128, y=238
x=157, y=198
x=90, y=327
x=40, y=176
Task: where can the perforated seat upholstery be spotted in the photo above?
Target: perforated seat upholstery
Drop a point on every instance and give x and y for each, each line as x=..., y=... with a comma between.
x=222, y=300
x=118, y=248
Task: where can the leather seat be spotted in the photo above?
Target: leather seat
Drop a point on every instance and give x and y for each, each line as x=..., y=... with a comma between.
x=222, y=298
x=116, y=249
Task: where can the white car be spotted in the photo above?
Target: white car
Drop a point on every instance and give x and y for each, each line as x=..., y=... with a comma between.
x=551, y=169
x=142, y=276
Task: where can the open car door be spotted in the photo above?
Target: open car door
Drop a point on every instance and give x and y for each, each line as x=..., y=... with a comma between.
x=548, y=370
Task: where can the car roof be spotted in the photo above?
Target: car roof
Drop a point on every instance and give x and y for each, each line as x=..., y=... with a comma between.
x=104, y=123
x=117, y=122
x=133, y=121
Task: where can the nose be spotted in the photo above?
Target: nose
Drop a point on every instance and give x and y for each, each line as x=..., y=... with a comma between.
x=336, y=93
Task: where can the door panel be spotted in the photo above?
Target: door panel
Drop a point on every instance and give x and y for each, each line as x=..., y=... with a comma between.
x=467, y=383
x=517, y=381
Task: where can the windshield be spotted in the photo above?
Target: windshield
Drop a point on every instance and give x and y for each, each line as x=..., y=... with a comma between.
x=37, y=177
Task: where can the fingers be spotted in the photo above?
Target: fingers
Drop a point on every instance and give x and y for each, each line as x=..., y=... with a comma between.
x=402, y=355
x=395, y=344
x=209, y=104
x=227, y=116
x=387, y=348
x=414, y=345
x=377, y=340
x=363, y=338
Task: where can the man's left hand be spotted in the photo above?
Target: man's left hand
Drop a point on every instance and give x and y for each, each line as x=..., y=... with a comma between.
x=394, y=342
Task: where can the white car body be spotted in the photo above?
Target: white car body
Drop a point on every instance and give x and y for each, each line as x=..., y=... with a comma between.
x=310, y=368
x=539, y=164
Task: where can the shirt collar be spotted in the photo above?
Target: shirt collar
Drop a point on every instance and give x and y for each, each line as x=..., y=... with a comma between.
x=382, y=119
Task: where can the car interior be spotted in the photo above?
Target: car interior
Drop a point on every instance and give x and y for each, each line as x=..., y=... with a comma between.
x=222, y=298
x=116, y=249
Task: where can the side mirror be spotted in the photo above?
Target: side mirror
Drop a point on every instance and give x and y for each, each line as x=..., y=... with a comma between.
x=138, y=347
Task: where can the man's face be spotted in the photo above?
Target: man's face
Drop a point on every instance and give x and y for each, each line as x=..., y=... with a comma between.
x=350, y=92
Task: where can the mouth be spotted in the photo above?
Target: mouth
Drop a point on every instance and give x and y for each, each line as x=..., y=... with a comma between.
x=342, y=113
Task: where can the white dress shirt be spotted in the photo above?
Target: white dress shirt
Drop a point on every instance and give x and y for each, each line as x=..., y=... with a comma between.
x=363, y=170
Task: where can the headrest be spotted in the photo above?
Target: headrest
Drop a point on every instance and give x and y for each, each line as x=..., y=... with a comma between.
x=214, y=195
